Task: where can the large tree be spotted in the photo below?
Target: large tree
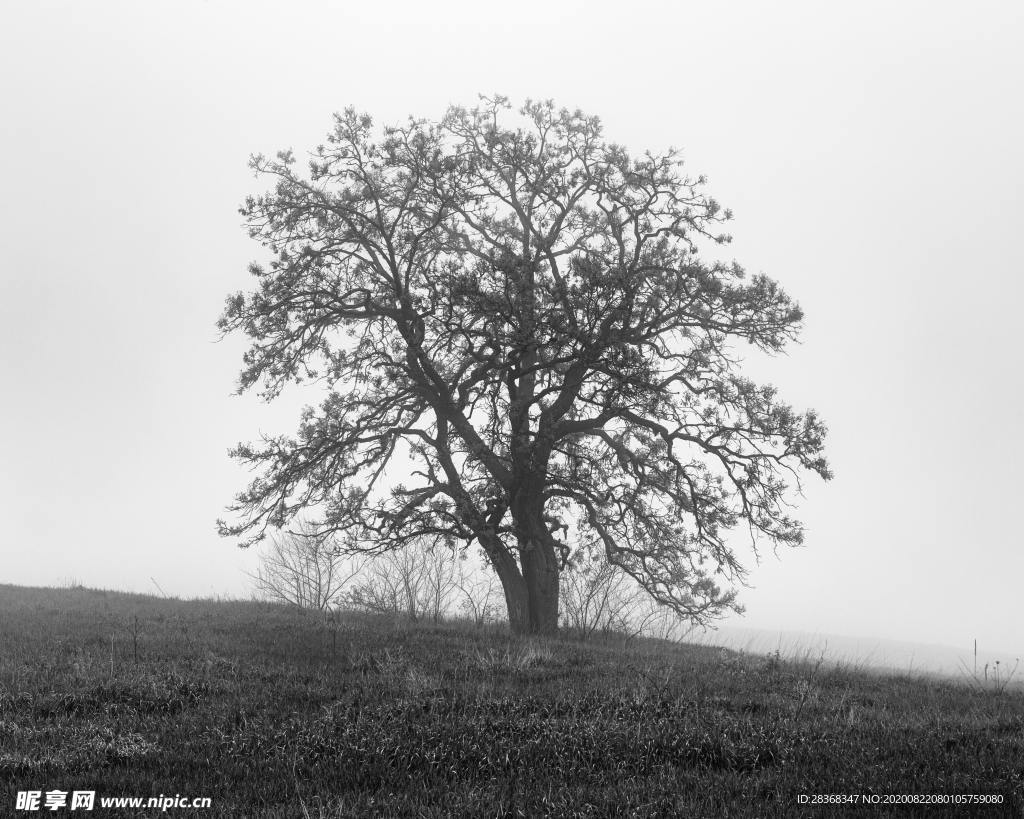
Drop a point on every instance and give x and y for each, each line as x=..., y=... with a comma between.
x=522, y=347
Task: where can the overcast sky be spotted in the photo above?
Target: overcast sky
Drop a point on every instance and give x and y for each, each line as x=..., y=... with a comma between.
x=872, y=155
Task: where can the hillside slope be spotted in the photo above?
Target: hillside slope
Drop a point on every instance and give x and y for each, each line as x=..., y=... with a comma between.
x=271, y=712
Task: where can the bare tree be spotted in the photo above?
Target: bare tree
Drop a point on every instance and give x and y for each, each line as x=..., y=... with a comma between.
x=440, y=581
x=597, y=596
x=527, y=315
x=478, y=594
x=389, y=584
x=418, y=582
x=303, y=568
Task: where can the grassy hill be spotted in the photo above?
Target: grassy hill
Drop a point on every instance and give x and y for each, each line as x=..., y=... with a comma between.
x=273, y=712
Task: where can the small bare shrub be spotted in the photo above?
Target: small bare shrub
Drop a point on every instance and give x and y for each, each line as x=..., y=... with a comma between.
x=418, y=582
x=304, y=569
x=479, y=595
x=597, y=597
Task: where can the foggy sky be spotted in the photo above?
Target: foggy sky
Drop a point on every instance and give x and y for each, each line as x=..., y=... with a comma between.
x=872, y=155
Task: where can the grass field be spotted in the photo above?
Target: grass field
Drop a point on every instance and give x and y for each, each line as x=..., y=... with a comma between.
x=273, y=712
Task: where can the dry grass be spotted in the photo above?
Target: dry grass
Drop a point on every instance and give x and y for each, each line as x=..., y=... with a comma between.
x=275, y=713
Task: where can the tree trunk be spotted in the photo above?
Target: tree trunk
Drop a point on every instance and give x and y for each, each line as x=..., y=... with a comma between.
x=531, y=592
x=540, y=573
x=512, y=583
x=539, y=566
x=517, y=602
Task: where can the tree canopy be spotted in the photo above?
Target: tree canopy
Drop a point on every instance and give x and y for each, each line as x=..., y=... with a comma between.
x=523, y=347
